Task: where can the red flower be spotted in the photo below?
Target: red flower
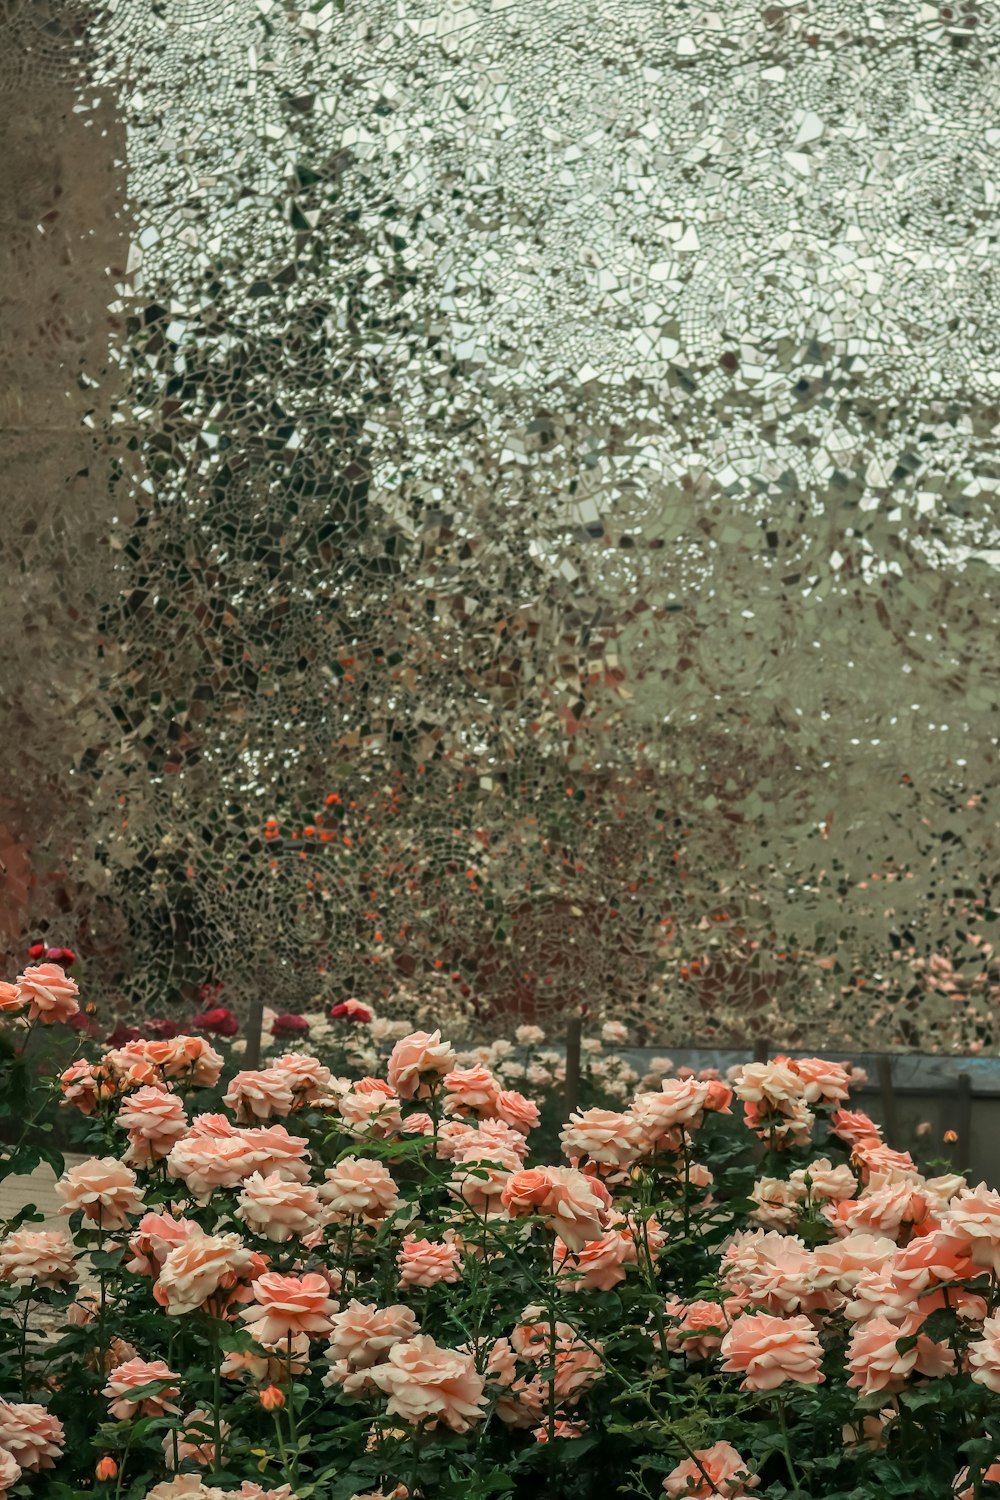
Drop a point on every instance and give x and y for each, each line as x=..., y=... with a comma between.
x=220, y=1022
x=289, y=1024
x=161, y=1030
x=122, y=1034
x=37, y=950
x=351, y=1010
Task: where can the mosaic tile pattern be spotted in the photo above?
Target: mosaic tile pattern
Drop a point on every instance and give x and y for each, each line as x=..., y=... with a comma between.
x=553, y=466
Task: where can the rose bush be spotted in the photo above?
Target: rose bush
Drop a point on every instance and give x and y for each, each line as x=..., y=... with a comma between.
x=376, y=1266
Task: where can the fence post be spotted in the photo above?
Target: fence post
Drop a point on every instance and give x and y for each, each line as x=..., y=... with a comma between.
x=255, y=1025
x=883, y=1067
x=963, y=1118
x=761, y=1049
x=574, y=1036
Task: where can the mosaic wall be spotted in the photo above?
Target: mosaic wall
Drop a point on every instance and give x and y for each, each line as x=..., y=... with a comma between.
x=541, y=535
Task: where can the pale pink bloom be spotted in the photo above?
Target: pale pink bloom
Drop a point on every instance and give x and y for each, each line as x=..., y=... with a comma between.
x=974, y=1216
x=427, y=1384
x=250, y=1490
x=770, y=1351
x=359, y=1187
x=876, y=1295
x=777, y=1202
x=426, y=1262
x=154, y=1120
x=827, y=1183
x=615, y=1033
x=51, y=994
x=277, y=1209
x=450, y=1135
x=361, y=1336
x=201, y=1267
x=40, y=1257
x=305, y=1075
x=129, y=1377
x=259, y=1094
x=490, y=1133
x=718, y=1470
x=603, y=1136
x=845, y=1261
x=10, y=1469
x=598, y=1265
x=529, y=1036
x=533, y=1338
x=207, y=1162
x=418, y=1123
x=270, y=1148
x=286, y=1305
x=182, y=1486
x=515, y=1110
x=79, y=1086
x=873, y=1359
x=372, y=1112
x=470, y=1091
x=196, y=1442
x=984, y=1356
x=823, y=1082
x=417, y=1063
x=104, y=1189
x=771, y=1084
x=30, y=1434
x=787, y=1279
x=189, y=1058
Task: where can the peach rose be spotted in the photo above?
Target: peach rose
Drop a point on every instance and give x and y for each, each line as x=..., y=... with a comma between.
x=769, y=1351
x=371, y=1108
x=427, y=1384
x=845, y=1261
x=699, y=1329
x=974, y=1217
x=882, y=1209
x=601, y=1135
x=929, y=1261
x=201, y=1267
x=718, y=1470
x=575, y=1206
x=873, y=1155
x=361, y=1336
x=10, y=1469
x=823, y=1082
x=470, y=1091
x=772, y=1085
x=359, y=1187
x=787, y=1279
x=873, y=1359
x=277, y=1209
x=270, y=1148
x=965, y=1491
x=876, y=1295
x=80, y=1086
x=50, y=993
x=984, y=1356
x=152, y=1240
x=287, y=1305
x=791, y=1125
x=197, y=1443
x=306, y=1076
x=259, y=1094
x=599, y=1265
x=189, y=1058
x=418, y=1062
x=154, y=1120
x=40, y=1257
x=827, y=1183
x=577, y=1367
x=31, y=1435
x=525, y=1192
x=777, y=1202
x=515, y=1110
x=104, y=1189
x=207, y=1162
x=852, y=1125
x=426, y=1262
x=12, y=1002
x=130, y=1377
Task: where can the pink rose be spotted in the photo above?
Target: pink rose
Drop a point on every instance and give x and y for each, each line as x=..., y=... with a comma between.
x=39, y=1257
x=418, y=1063
x=873, y=1359
x=371, y=1108
x=361, y=1336
x=718, y=1470
x=277, y=1209
x=306, y=1076
x=359, y=1187
x=769, y=1351
x=470, y=1091
x=772, y=1085
x=515, y=1110
x=974, y=1216
x=197, y=1443
x=130, y=1377
x=603, y=1136
x=259, y=1094
x=50, y=993
x=853, y=1125
x=482, y=1170
x=30, y=1434
x=427, y=1384
x=427, y=1262
x=700, y=1329
x=10, y=1470
x=79, y=1086
x=599, y=1264
x=201, y=1267
x=984, y=1356
x=104, y=1189
x=823, y=1082
x=154, y=1120
x=843, y=1262
x=152, y=1240
x=286, y=1305
x=827, y=1183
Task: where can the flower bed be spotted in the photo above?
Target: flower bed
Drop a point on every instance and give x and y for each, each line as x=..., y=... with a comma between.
x=390, y=1280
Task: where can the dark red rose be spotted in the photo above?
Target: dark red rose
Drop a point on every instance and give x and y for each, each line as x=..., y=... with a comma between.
x=289, y=1025
x=67, y=957
x=123, y=1034
x=219, y=1022
x=351, y=1010
x=161, y=1030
